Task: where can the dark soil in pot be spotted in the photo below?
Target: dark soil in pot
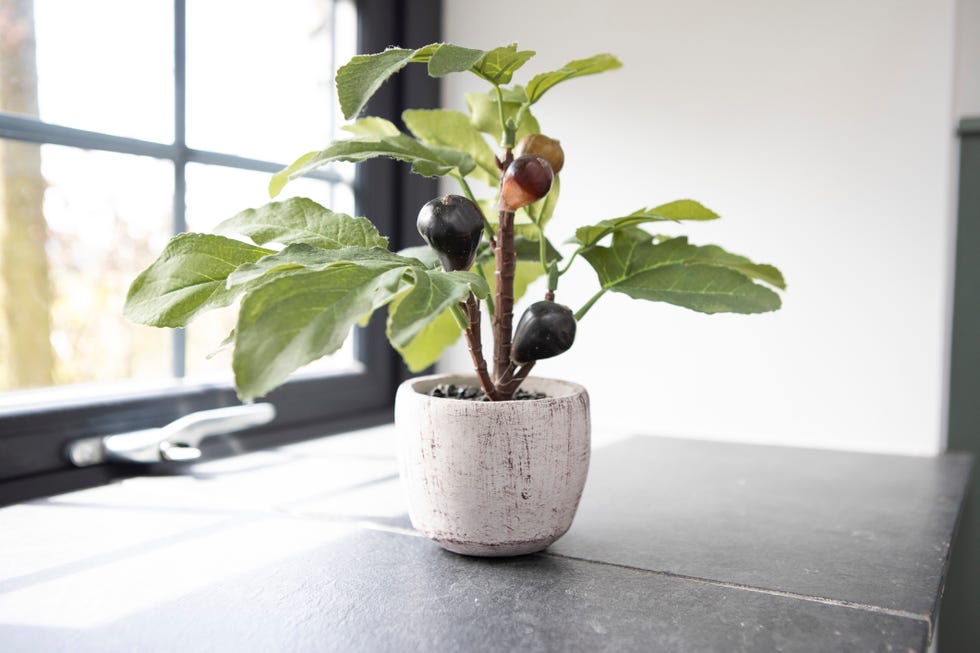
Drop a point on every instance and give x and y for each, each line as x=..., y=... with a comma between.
x=475, y=393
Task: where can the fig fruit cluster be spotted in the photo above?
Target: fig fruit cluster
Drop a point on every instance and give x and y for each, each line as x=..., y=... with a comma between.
x=546, y=329
x=452, y=225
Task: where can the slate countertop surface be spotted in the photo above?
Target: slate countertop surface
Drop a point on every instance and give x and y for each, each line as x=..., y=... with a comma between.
x=678, y=545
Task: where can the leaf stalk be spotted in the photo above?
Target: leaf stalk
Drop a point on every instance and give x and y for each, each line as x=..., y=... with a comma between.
x=580, y=313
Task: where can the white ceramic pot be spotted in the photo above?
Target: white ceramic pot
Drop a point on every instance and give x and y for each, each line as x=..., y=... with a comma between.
x=492, y=478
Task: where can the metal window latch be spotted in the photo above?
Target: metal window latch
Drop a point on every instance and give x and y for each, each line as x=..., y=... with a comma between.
x=177, y=441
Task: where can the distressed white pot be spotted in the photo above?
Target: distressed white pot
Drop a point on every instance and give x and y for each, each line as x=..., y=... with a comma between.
x=496, y=478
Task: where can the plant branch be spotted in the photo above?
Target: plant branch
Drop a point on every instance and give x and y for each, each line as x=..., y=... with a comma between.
x=512, y=384
x=569, y=264
x=506, y=135
x=474, y=341
x=542, y=248
x=503, y=318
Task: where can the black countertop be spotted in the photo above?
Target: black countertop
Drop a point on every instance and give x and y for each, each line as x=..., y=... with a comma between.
x=679, y=545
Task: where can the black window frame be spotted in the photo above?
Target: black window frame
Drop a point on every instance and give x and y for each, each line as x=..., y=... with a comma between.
x=33, y=440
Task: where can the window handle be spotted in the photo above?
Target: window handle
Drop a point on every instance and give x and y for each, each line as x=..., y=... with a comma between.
x=177, y=441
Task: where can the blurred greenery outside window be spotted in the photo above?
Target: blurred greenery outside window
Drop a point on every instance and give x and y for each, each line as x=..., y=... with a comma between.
x=168, y=116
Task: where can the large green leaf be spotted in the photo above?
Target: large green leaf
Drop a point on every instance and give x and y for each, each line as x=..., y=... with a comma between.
x=674, y=271
x=427, y=161
x=539, y=84
x=301, y=220
x=364, y=74
x=302, y=302
x=293, y=320
x=486, y=118
x=670, y=212
x=188, y=278
x=434, y=292
x=498, y=65
x=445, y=128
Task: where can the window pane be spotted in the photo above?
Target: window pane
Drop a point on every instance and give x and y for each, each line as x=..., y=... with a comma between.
x=75, y=227
x=259, y=75
x=100, y=65
x=214, y=194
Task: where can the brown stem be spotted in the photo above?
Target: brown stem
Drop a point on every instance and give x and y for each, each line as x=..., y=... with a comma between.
x=475, y=342
x=503, y=315
x=505, y=257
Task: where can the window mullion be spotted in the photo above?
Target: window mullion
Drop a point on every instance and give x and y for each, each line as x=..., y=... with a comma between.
x=179, y=338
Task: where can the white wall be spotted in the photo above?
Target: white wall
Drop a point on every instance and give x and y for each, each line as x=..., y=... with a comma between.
x=968, y=58
x=822, y=133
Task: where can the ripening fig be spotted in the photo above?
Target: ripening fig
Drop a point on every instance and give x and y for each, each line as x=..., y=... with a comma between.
x=548, y=149
x=452, y=225
x=546, y=329
x=527, y=179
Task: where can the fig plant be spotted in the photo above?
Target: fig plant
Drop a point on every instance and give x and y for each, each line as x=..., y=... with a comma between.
x=309, y=274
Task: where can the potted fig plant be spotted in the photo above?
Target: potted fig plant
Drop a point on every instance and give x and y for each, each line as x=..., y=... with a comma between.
x=495, y=461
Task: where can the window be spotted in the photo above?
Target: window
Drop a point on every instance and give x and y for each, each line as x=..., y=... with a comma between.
x=111, y=140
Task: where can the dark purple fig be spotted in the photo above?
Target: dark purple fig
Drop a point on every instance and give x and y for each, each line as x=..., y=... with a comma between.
x=452, y=226
x=547, y=148
x=527, y=179
x=546, y=329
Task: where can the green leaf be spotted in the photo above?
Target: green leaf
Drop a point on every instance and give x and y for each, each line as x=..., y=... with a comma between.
x=441, y=156
x=485, y=117
x=714, y=255
x=293, y=320
x=498, y=65
x=425, y=160
x=303, y=257
x=670, y=212
x=679, y=210
x=424, y=54
x=422, y=253
x=448, y=58
x=672, y=272
x=539, y=84
x=301, y=220
x=445, y=128
x=364, y=74
x=187, y=278
x=372, y=126
x=426, y=348
x=434, y=292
